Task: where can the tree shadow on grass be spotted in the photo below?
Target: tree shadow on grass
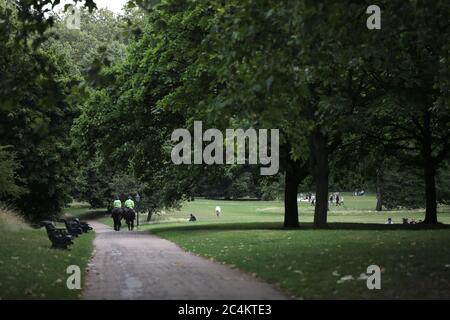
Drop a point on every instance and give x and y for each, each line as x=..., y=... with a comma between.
x=335, y=226
x=91, y=215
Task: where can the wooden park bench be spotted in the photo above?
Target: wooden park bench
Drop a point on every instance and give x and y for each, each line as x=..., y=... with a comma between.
x=72, y=227
x=59, y=238
x=83, y=225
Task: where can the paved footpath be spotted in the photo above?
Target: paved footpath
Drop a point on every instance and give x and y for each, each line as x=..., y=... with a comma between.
x=139, y=265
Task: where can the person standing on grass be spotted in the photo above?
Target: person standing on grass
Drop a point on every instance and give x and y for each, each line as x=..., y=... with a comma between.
x=130, y=213
x=218, y=211
x=117, y=213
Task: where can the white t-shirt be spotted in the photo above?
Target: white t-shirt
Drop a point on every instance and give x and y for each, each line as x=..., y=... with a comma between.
x=218, y=209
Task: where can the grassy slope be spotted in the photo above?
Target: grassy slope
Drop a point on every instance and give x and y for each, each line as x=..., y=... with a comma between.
x=29, y=269
x=310, y=263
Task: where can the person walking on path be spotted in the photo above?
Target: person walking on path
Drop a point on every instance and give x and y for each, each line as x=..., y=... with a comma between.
x=117, y=213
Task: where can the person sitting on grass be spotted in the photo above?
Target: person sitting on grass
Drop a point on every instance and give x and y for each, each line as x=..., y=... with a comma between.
x=130, y=214
x=192, y=218
x=389, y=221
x=117, y=213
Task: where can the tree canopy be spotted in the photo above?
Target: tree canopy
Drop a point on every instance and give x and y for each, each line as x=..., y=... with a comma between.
x=84, y=108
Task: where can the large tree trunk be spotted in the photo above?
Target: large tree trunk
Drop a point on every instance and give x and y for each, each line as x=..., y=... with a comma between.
x=380, y=189
x=295, y=172
x=290, y=199
x=429, y=170
x=321, y=174
x=430, y=193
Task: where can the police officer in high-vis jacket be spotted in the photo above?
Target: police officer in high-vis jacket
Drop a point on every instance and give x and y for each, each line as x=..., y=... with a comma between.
x=130, y=214
x=117, y=213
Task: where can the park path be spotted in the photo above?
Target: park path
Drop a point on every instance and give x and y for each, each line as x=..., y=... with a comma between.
x=139, y=265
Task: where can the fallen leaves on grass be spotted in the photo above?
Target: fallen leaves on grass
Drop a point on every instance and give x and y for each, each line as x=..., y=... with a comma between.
x=345, y=278
x=363, y=276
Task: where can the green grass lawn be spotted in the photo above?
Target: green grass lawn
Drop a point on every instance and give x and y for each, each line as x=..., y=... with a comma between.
x=355, y=210
x=314, y=264
x=29, y=269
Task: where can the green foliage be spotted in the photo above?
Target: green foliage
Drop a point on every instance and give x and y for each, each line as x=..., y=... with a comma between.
x=9, y=165
x=124, y=185
x=411, y=114
x=124, y=123
x=312, y=70
x=272, y=189
x=35, y=119
x=443, y=184
x=92, y=185
x=232, y=182
x=403, y=189
x=293, y=65
x=93, y=50
x=99, y=41
x=410, y=72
